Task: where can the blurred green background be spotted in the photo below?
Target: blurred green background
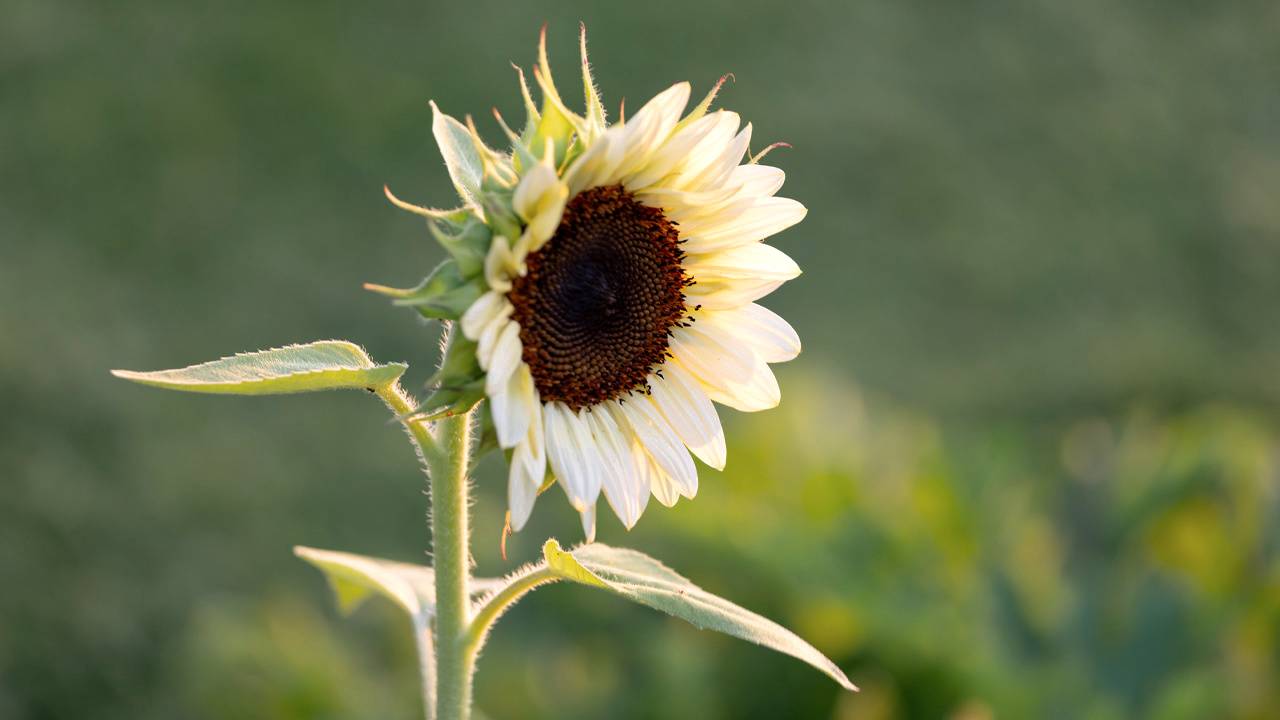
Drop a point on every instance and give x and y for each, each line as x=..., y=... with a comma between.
x=1026, y=467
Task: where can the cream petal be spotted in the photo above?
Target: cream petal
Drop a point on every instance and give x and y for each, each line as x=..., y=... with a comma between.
x=706, y=154
x=626, y=476
x=680, y=205
x=675, y=149
x=771, y=337
x=595, y=166
x=539, y=181
x=573, y=456
x=499, y=264
x=668, y=454
x=723, y=294
x=685, y=405
x=646, y=131
x=589, y=523
x=757, y=181
x=481, y=313
x=520, y=254
x=543, y=226
x=741, y=223
x=662, y=486
x=539, y=200
x=522, y=491
x=532, y=451
x=751, y=261
x=587, y=165
x=528, y=468
x=718, y=172
x=732, y=373
x=489, y=336
x=514, y=407
x=731, y=278
x=506, y=356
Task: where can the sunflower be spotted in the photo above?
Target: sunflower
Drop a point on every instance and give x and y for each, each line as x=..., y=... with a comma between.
x=618, y=294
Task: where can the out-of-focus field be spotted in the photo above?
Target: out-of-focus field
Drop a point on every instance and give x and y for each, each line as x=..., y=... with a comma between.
x=1026, y=467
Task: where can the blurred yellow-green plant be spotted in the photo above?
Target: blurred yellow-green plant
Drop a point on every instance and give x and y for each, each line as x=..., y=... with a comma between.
x=1115, y=566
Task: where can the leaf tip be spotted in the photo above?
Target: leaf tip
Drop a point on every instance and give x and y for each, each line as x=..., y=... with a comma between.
x=308, y=554
x=132, y=376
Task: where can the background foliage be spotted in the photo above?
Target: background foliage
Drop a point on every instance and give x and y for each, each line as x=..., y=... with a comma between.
x=1026, y=467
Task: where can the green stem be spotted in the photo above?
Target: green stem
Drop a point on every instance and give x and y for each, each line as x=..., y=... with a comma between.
x=446, y=453
x=401, y=404
x=455, y=657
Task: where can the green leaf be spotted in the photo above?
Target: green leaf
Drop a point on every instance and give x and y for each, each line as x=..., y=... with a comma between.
x=355, y=578
x=568, y=567
x=642, y=579
x=326, y=365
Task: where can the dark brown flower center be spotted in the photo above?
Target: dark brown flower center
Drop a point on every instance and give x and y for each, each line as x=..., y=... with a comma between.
x=600, y=298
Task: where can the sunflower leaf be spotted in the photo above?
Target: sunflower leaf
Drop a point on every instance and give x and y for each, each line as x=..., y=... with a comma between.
x=356, y=578
x=642, y=579
x=327, y=365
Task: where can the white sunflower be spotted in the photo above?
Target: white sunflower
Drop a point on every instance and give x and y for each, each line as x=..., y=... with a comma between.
x=619, y=301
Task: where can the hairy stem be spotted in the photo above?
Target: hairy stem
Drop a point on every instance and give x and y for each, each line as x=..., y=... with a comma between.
x=455, y=656
x=447, y=668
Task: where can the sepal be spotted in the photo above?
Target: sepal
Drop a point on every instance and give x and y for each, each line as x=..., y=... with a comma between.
x=557, y=122
x=502, y=217
x=459, y=145
x=443, y=295
x=459, y=383
x=701, y=108
x=532, y=116
x=498, y=174
x=466, y=237
x=595, y=121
